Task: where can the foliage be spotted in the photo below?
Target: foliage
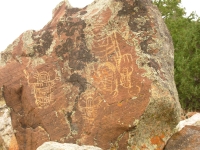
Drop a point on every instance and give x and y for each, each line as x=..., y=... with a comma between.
x=185, y=32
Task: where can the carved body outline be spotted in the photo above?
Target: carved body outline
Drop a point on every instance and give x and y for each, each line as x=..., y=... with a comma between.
x=42, y=88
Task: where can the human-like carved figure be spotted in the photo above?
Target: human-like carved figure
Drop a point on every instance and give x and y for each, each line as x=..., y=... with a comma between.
x=89, y=105
x=106, y=78
x=126, y=70
x=42, y=88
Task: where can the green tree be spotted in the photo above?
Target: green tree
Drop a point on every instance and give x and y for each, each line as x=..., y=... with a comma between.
x=185, y=32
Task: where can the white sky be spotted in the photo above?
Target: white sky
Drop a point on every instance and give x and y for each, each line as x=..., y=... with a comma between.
x=18, y=16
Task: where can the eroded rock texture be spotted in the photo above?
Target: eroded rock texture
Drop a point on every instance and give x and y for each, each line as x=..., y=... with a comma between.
x=101, y=75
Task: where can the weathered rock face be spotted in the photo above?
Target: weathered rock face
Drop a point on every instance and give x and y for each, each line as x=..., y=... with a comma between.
x=101, y=75
x=65, y=146
x=186, y=139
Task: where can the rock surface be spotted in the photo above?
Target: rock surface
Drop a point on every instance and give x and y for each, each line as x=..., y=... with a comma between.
x=186, y=139
x=65, y=146
x=6, y=130
x=101, y=75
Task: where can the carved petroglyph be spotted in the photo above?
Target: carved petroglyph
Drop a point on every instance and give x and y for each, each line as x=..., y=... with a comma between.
x=126, y=70
x=115, y=62
x=108, y=46
x=42, y=88
x=106, y=73
x=90, y=102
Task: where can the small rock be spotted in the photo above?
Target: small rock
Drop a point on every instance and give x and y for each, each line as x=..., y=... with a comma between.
x=65, y=146
x=186, y=139
x=195, y=119
x=6, y=130
x=190, y=114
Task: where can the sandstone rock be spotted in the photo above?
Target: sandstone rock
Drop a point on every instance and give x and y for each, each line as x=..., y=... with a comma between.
x=6, y=130
x=65, y=146
x=194, y=121
x=186, y=139
x=101, y=75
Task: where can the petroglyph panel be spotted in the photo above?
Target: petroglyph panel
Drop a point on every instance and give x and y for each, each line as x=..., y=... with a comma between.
x=116, y=73
x=42, y=88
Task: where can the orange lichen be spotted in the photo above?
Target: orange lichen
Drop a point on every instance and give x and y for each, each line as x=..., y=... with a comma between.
x=158, y=140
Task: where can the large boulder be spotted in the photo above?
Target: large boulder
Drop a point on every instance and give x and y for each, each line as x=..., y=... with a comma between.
x=102, y=75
